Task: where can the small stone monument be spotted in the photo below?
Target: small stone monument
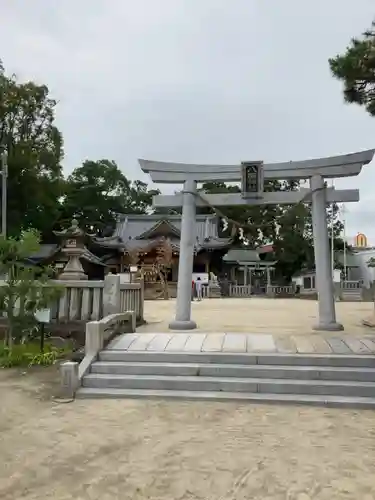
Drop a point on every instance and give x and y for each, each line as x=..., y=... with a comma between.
x=213, y=283
x=73, y=247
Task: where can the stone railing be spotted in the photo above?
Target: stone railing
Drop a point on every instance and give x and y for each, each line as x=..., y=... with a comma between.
x=280, y=290
x=87, y=300
x=132, y=298
x=351, y=285
x=271, y=290
x=80, y=300
x=239, y=290
x=98, y=335
x=93, y=300
x=349, y=291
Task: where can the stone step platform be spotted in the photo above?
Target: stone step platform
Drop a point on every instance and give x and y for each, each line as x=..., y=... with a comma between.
x=343, y=380
x=244, y=343
x=222, y=358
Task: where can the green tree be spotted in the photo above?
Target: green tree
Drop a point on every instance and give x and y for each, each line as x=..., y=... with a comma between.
x=25, y=288
x=97, y=191
x=294, y=249
x=356, y=69
x=35, y=150
x=294, y=246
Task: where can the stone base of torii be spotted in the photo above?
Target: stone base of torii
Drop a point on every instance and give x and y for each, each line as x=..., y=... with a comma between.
x=316, y=171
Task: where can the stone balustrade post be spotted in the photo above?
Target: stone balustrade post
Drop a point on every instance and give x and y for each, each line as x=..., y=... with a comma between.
x=111, y=294
x=94, y=340
x=69, y=379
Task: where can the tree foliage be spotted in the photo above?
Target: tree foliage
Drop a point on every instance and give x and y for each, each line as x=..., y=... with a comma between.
x=97, y=191
x=35, y=150
x=356, y=69
x=24, y=288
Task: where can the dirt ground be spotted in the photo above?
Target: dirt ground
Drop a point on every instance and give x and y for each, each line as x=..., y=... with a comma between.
x=119, y=450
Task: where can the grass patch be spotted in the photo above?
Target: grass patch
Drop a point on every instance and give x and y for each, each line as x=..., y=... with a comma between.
x=29, y=354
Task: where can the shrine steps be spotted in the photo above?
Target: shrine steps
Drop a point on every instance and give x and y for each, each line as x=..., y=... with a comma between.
x=351, y=295
x=320, y=380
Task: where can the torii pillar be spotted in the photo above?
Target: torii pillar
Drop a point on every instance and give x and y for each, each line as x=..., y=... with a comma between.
x=313, y=170
x=183, y=319
x=323, y=266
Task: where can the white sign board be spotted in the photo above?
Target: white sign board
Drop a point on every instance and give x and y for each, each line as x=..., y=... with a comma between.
x=203, y=277
x=336, y=276
x=43, y=315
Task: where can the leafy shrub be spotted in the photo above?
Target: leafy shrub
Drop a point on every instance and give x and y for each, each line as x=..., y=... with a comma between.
x=29, y=354
x=25, y=288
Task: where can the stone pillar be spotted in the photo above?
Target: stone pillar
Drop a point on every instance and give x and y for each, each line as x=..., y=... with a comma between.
x=324, y=281
x=269, y=290
x=174, y=271
x=183, y=320
x=207, y=266
x=111, y=295
x=245, y=275
x=69, y=379
x=232, y=274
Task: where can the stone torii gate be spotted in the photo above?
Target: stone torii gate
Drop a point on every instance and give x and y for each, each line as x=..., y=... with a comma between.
x=252, y=175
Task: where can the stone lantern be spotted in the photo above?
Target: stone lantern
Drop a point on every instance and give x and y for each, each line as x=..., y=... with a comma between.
x=73, y=247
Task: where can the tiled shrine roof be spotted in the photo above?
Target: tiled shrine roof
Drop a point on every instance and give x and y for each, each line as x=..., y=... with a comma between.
x=140, y=231
x=48, y=250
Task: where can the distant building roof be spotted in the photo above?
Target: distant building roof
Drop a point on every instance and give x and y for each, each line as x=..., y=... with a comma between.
x=48, y=250
x=245, y=256
x=45, y=251
x=135, y=231
x=339, y=257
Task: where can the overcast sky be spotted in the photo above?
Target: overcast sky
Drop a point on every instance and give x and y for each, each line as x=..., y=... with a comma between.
x=215, y=81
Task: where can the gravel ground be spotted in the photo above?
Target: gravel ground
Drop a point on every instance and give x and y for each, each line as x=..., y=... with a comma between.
x=257, y=315
x=135, y=450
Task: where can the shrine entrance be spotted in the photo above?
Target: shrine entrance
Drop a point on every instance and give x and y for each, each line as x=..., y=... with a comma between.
x=252, y=175
x=258, y=281
x=248, y=270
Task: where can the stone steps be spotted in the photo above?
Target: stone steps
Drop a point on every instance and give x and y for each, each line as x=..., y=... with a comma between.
x=235, y=371
x=294, y=399
x=354, y=295
x=335, y=380
x=230, y=384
